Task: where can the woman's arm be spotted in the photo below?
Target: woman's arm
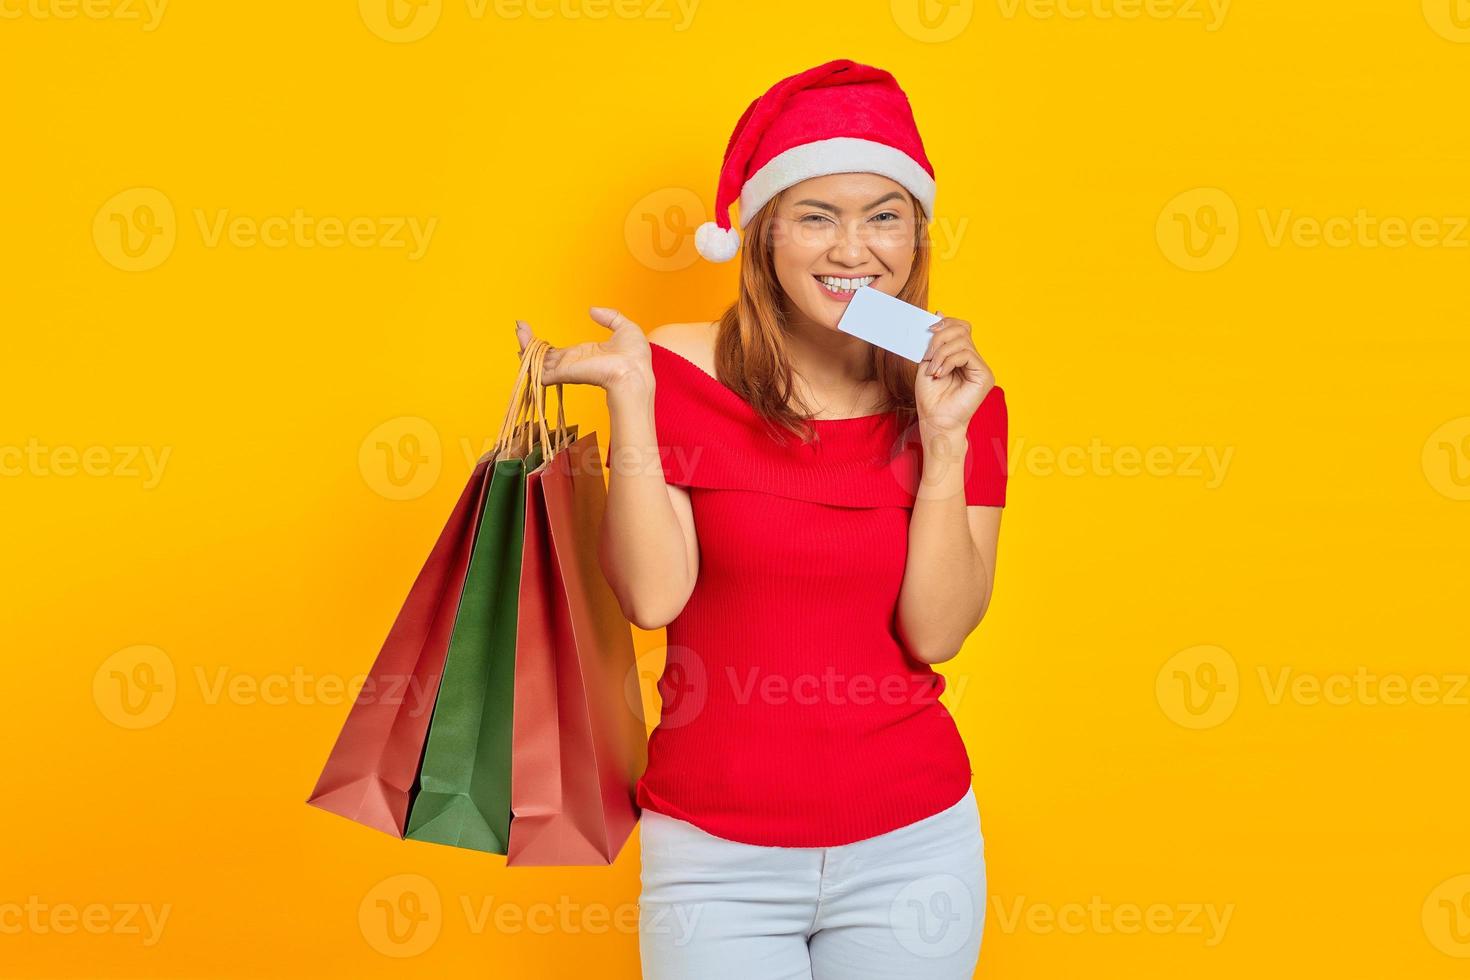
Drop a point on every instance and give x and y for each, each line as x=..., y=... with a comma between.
x=950, y=569
x=647, y=547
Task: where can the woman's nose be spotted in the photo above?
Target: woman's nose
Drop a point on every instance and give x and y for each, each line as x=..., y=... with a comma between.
x=849, y=245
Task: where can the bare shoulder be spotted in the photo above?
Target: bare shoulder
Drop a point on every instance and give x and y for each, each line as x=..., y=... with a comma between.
x=692, y=341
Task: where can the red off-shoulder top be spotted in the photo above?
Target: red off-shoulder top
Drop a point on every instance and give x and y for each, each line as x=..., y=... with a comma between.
x=792, y=715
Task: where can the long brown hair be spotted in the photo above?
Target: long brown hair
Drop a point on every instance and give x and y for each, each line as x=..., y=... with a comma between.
x=750, y=348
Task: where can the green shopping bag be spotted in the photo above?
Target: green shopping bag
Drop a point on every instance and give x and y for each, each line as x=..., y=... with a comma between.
x=463, y=796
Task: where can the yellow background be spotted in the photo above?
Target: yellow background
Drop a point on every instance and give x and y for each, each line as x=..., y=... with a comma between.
x=1131, y=742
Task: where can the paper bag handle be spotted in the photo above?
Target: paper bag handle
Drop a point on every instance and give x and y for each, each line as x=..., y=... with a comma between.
x=528, y=404
x=551, y=442
x=517, y=406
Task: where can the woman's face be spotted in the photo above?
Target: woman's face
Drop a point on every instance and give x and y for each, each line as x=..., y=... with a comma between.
x=841, y=226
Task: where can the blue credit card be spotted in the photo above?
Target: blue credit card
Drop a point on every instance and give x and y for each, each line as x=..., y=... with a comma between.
x=889, y=323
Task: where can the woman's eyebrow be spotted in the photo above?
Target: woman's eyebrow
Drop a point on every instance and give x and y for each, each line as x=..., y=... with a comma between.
x=890, y=196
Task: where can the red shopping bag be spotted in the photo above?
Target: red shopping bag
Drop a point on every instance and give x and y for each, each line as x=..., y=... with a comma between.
x=578, y=744
x=373, y=768
x=370, y=772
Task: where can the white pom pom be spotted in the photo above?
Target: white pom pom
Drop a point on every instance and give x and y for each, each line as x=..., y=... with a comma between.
x=715, y=243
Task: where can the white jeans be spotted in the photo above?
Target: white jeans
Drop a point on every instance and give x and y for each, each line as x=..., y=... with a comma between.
x=908, y=903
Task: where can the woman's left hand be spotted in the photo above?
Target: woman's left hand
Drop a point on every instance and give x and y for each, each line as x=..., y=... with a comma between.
x=953, y=378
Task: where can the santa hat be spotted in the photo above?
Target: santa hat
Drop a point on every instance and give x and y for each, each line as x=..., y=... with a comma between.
x=837, y=118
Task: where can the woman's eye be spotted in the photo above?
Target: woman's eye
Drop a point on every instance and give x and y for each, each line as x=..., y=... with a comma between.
x=886, y=214
x=819, y=217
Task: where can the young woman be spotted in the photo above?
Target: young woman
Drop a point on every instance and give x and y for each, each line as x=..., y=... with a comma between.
x=814, y=519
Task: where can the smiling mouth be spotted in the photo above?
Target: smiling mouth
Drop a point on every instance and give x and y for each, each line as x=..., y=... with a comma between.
x=842, y=288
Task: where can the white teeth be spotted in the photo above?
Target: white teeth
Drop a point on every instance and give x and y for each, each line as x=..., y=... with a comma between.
x=845, y=285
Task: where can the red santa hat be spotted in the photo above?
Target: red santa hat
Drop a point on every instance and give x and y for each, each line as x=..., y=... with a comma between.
x=837, y=118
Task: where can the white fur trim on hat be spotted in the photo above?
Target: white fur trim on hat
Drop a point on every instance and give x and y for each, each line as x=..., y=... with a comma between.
x=840, y=155
x=715, y=243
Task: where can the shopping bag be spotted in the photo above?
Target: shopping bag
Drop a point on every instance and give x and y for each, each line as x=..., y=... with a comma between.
x=370, y=772
x=463, y=798
x=579, y=744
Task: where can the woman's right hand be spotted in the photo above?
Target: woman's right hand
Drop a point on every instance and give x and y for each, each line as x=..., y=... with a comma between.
x=606, y=363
